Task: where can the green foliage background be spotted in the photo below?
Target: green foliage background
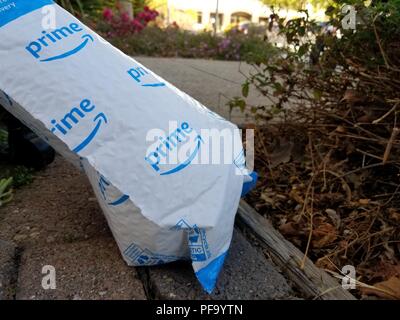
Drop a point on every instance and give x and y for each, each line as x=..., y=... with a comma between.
x=94, y=8
x=296, y=4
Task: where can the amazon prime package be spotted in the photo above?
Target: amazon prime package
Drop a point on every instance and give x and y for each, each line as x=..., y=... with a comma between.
x=168, y=173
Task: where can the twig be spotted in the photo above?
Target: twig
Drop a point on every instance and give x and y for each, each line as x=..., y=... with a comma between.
x=303, y=262
x=326, y=291
x=357, y=240
x=364, y=168
x=393, y=195
x=344, y=184
x=369, y=154
x=385, y=115
x=389, y=146
x=378, y=40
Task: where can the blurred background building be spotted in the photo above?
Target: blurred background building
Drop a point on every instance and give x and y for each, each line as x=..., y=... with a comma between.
x=220, y=15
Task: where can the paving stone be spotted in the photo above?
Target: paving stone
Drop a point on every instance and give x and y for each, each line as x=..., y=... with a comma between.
x=91, y=269
x=8, y=270
x=247, y=275
x=59, y=206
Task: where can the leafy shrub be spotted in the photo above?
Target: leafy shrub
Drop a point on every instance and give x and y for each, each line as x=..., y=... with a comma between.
x=330, y=163
x=174, y=42
x=21, y=176
x=94, y=8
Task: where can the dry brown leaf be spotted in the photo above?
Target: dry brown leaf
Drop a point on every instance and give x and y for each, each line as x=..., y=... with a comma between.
x=389, y=289
x=324, y=235
x=364, y=202
x=341, y=129
x=289, y=229
x=394, y=214
x=295, y=195
x=281, y=153
x=364, y=119
x=333, y=215
x=326, y=264
x=385, y=269
x=268, y=196
x=352, y=96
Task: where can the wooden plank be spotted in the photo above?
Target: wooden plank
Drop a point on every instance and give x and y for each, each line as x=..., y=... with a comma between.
x=314, y=282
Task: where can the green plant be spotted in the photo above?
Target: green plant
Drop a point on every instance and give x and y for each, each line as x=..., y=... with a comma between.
x=296, y=4
x=21, y=176
x=5, y=191
x=3, y=137
x=73, y=6
x=94, y=8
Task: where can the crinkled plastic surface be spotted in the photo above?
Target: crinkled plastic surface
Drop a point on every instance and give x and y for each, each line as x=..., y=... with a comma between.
x=118, y=121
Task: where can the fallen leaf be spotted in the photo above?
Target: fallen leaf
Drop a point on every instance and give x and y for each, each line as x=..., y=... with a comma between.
x=389, y=289
x=295, y=195
x=394, y=214
x=326, y=264
x=385, y=269
x=363, y=202
x=332, y=214
x=289, y=229
x=352, y=96
x=324, y=235
x=281, y=153
x=268, y=197
x=364, y=119
x=341, y=129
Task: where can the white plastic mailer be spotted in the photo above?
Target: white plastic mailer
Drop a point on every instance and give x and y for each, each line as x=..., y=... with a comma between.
x=147, y=148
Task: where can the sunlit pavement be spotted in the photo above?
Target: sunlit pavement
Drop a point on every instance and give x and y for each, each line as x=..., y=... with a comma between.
x=211, y=82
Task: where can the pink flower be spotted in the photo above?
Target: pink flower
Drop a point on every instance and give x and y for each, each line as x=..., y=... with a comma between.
x=154, y=14
x=141, y=15
x=125, y=17
x=108, y=14
x=137, y=25
x=148, y=17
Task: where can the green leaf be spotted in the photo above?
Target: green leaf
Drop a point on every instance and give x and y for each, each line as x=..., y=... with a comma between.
x=4, y=184
x=5, y=196
x=279, y=89
x=303, y=50
x=317, y=94
x=242, y=105
x=245, y=89
x=237, y=103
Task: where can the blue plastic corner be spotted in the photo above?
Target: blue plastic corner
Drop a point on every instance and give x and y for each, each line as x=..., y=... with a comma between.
x=208, y=275
x=248, y=186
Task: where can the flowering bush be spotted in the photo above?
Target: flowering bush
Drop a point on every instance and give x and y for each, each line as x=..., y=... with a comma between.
x=229, y=49
x=114, y=25
x=135, y=37
x=175, y=42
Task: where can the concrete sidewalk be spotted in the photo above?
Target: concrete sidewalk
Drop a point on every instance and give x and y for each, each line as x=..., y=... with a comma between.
x=57, y=221
x=211, y=82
